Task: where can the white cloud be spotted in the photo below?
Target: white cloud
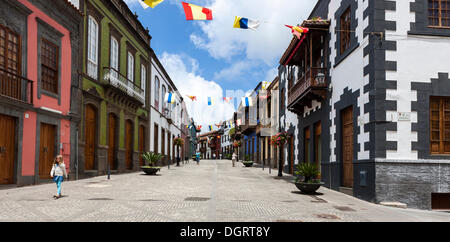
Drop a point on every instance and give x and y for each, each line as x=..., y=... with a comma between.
x=189, y=82
x=222, y=41
x=236, y=70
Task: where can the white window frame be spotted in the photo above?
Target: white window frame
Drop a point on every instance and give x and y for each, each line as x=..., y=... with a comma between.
x=92, y=55
x=130, y=74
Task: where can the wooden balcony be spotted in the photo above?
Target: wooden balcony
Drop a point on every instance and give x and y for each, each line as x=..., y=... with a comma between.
x=248, y=128
x=16, y=87
x=312, y=86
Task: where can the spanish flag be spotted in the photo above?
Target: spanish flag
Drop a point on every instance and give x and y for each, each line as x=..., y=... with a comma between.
x=194, y=12
x=245, y=23
x=150, y=3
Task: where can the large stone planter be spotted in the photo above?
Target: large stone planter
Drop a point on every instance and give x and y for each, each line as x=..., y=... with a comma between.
x=248, y=163
x=150, y=170
x=308, y=188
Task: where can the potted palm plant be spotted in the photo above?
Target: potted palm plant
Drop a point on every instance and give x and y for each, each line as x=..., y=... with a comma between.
x=310, y=182
x=151, y=159
x=247, y=161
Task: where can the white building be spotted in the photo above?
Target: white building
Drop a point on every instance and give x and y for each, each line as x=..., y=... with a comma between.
x=167, y=121
x=365, y=95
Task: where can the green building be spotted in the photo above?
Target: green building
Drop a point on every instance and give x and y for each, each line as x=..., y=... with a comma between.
x=114, y=118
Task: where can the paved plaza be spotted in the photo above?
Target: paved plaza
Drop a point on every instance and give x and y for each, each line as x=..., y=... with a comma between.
x=213, y=191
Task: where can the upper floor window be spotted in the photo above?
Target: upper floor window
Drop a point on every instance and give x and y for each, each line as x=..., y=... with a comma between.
x=92, y=65
x=49, y=66
x=9, y=51
x=439, y=13
x=114, y=61
x=163, y=92
x=440, y=125
x=156, y=92
x=130, y=74
x=345, y=30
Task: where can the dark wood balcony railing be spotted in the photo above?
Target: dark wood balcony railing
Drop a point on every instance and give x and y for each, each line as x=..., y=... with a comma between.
x=314, y=78
x=16, y=87
x=114, y=78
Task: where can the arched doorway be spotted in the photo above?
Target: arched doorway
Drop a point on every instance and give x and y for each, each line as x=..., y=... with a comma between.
x=112, y=141
x=129, y=145
x=90, y=137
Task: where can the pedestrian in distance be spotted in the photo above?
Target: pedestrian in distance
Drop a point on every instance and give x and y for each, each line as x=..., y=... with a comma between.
x=197, y=156
x=58, y=174
x=234, y=159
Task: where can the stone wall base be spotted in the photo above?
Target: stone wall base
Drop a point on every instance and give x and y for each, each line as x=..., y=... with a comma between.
x=411, y=182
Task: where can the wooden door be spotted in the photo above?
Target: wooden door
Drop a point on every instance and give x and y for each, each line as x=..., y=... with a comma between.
x=112, y=141
x=155, y=139
x=291, y=154
x=91, y=137
x=141, y=144
x=129, y=145
x=47, y=150
x=163, y=142
x=7, y=149
x=169, y=158
x=318, y=144
x=347, y=147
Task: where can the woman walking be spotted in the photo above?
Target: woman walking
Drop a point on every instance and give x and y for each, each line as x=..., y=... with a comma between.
x=58, y=173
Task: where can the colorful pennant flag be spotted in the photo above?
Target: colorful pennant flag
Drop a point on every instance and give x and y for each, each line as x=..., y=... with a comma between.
x=210, y=101
x=227, y=99
x=194, y=12
x=211, y=128
x=247, y=101
x=298, y=31
x=170, y=98
x=193, y=98
x=238, y=122
x=199, y=127
x=218, y=126
x=231, y=124
x=150, y=3
x=245, y=23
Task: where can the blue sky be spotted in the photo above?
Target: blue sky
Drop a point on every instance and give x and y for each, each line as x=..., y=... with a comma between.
x=214, y=54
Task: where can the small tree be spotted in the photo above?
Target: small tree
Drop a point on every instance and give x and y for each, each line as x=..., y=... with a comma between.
x=279, y=140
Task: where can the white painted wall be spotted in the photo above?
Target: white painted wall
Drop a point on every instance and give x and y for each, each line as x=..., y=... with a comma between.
x=419, y=58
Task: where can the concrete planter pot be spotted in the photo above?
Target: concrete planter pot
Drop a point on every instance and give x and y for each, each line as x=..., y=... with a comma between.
x=248, y=163
x=150, y=170
x=308, y=188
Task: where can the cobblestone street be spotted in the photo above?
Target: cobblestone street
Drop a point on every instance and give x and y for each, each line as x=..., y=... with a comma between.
x=213, y=191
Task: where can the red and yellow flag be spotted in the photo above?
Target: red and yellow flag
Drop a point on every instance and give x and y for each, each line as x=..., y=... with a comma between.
x=194, y=12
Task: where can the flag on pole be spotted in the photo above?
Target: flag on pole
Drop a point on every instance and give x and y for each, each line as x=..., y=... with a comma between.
x=210, y=101
x=193, y=98
x=194, y=12
x=227, y=99
x=150, y=3
x=247, y=101
x=298, y=31
x=211, y=128
x=170, y=98
x=245, y=23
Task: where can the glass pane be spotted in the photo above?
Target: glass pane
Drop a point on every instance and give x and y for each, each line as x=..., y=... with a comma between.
x=435, y=147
